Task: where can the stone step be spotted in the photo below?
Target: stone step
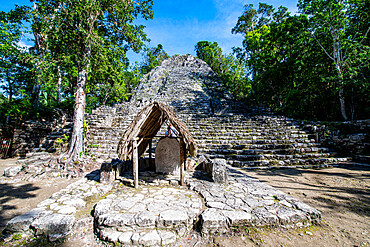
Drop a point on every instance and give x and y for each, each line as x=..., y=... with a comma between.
x=234, y=136
x=248, y=137
x=254, y=143
x=260, y=157
x=264, y=151
x=288, y=163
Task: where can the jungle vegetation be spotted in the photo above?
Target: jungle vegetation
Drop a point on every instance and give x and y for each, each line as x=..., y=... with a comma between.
x=311, y=65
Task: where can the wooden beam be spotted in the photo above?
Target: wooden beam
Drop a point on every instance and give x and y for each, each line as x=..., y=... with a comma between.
x=135, y=163
x=150, y=153
x=182, y=161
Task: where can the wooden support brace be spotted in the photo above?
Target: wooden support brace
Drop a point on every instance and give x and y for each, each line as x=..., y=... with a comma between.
x=182, y=161
x=150, y=153
x=135, y=163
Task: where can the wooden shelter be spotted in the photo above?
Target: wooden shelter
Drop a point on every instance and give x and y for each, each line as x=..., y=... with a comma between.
x=144, y=128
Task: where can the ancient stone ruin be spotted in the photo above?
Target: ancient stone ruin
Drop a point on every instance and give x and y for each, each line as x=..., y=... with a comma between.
x=136, y=203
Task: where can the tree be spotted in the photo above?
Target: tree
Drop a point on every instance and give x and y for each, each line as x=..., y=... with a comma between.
x=10, y=35
x=14, y=70
x=230, y=70
x=87, y=30
x=332, y=25
x=289, y=71
x=152, y=58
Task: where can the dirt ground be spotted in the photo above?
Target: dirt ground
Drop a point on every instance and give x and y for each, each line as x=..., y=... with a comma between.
x=341, y=194
x=19, y=197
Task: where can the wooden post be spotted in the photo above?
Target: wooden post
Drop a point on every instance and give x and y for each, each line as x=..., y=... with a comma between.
x=135, y=163
x=150, y=153
x=182, y=161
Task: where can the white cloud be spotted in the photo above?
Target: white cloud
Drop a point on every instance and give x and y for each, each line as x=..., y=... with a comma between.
x=23, y=44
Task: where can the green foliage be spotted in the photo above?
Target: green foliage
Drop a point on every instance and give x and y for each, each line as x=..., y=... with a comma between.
x=68, y=37
x=17, y=236
x=61, y=143
x=230, y=70
x=85, y=128
x=290, y=59
x=15, y=76
x=152, y=58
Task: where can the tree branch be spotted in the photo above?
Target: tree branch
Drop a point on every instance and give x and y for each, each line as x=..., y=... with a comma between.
x=318, y=43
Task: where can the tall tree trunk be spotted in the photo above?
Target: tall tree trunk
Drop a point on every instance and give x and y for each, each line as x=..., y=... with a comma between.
x=59, y=90
x=10, y=97
x=39, y=42
x=342, y=102
x=341, y=92
x=36, y=93
x=76, y=142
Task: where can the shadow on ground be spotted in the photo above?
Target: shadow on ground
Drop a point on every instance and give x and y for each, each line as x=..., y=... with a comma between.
x=328, y=187
x=8, y=192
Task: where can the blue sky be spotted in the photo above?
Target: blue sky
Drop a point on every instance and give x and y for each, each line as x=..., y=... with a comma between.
x=179, y=24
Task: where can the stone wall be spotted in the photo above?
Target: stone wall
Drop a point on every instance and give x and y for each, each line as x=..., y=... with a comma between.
x=35, y=136
x=350, y=138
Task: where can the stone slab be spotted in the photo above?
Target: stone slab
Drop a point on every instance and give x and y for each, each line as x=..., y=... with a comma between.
x=53, y=224
x=23, y=222
x=167, y=156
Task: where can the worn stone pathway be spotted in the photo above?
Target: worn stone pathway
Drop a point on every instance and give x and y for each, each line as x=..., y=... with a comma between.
x=160, y=211
x=246, y=202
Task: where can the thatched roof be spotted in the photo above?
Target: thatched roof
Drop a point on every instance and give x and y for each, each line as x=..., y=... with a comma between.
x=146, y=125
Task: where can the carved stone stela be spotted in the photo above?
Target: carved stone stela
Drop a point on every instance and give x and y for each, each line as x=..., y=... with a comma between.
x=167, y=156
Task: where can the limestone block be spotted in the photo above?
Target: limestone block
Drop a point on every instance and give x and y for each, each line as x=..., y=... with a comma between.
x=167, y=156
x=290, y=215
x=173, y=217
x=106, y=173
x=237, y=218
x=167, y=237
x=151, y=238
x=110, y=235
x=53, y=224
x=23, y=222
x=33, y=169
x=12, y=171
x=212, y=221
x=79, y=203
x=146, y=219
x=116, y=219
x=125, y=238
x=67, y=210
x=313, y=213
x=217, y=170
x=261, y=216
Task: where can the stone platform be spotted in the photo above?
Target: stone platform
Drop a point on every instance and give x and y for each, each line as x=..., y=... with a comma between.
x=247, y=202
x=147, y=216
x=160, y=211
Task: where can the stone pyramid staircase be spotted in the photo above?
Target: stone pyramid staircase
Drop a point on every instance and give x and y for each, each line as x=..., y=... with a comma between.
x=244, y=140
x=106, y=125
x=62, y=131
x=258, y=141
